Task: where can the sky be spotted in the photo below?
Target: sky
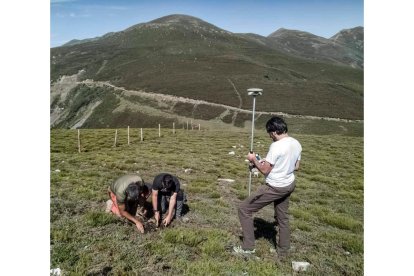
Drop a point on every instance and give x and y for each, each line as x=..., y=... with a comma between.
x=80, y=19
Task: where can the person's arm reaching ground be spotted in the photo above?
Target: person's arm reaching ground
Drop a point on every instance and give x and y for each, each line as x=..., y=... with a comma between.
x=171, y=206
x=155, y=206
x=130, y=217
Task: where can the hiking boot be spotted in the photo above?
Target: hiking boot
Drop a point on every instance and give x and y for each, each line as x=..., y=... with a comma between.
x=240, y=250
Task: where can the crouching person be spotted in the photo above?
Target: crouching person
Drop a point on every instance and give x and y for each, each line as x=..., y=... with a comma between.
x=167, y=198
x=144, y=205
x=125, y=194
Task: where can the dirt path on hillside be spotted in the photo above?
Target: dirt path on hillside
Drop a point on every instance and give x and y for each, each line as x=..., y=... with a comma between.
x=237, y=93
x=102, y=66
x=233, y=119
x=175, y=99
x=86, y=115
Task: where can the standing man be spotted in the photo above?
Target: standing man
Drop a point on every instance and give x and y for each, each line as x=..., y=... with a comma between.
x=166, y=192
x=281, y=161
x=125, y=194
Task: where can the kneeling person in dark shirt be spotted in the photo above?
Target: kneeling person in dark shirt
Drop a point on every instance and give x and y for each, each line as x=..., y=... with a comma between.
x=166, y=192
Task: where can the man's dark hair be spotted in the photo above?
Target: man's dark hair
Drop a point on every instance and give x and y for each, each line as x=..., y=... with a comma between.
x=132, y=192
x=276, y=124
x=167, y=182
x=145, y=189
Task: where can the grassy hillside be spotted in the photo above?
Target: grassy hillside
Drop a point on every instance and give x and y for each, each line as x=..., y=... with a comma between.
x=326, y=208
x=190, y=58
x=98, y=105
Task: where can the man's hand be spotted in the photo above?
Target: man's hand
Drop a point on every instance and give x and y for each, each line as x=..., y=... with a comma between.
x=251, y=157
x=140, y=227
x=167, y=221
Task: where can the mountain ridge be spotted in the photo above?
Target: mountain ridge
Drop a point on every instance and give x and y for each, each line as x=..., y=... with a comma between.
x=183, y=56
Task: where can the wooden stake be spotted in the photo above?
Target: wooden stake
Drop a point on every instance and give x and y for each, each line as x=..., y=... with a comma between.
x=187, y=125
x=128, y=135
x=199, y=127
x=142, y=138
x=173, y=128
x=116, y=136
x=79, y=146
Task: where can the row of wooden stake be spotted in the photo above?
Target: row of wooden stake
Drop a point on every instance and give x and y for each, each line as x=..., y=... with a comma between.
x=142, y=136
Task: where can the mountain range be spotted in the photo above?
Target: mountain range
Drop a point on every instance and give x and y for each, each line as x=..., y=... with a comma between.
x=179, y=67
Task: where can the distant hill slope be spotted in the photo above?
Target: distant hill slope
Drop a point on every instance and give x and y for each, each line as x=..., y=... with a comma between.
x=351, y=38
x=186, y=57
x=346, y=47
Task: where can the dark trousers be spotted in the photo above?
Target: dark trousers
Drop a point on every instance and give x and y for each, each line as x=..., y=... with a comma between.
x=263, y=197
x=164, y=200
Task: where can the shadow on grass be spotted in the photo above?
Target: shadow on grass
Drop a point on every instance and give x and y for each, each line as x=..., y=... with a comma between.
x=185, y=210
x=107, y=270
x=264, y=229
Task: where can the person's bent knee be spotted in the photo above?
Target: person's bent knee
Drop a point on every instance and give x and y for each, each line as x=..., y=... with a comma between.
x=242, y=209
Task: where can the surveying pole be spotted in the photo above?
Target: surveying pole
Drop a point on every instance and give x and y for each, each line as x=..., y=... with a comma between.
x=254, y=92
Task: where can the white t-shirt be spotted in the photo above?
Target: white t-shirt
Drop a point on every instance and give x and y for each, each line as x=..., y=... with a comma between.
x=283, y=155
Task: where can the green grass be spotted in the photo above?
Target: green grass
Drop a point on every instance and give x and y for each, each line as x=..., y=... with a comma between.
x=326, y=208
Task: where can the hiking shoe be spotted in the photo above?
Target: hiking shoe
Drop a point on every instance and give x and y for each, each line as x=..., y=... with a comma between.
x=240, y=250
